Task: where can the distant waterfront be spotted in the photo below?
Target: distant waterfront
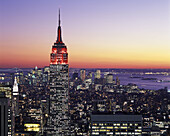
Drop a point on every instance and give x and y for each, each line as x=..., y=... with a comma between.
x=153, y=79
x=161, y=82
x=139, y=77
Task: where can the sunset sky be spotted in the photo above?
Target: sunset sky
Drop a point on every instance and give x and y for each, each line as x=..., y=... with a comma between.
x=98, y=33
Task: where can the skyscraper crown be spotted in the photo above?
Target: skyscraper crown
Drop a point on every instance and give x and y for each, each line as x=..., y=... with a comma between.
x=15, y=87
x=59, y=53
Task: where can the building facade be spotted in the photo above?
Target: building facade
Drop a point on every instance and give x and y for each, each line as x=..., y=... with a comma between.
x=7, y=91
x=98, y=74
x=15, y=104
x=82, y=74
x=116, y=125
x=59, y=87
x=3, y=115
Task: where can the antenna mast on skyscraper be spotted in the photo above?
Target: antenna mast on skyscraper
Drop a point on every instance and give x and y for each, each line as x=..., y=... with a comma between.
x=59, y=18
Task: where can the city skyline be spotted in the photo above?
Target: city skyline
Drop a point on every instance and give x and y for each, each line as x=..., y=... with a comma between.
x=112, y=34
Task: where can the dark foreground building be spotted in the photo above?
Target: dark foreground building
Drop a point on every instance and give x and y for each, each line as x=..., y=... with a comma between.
x=116, y=125
x=3, y=115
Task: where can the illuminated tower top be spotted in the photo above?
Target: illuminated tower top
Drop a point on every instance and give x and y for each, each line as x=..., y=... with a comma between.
x=59, y=38
x=15, y=87
x=59, y=53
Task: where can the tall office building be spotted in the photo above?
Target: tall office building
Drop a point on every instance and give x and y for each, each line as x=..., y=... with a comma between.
x=59, y=87
x=7, y=91
x=82, y=74
x=15, y=102
x=98, y=74
x=15, y=96
x=117, y=81
x=4, y=115
x=109, y=79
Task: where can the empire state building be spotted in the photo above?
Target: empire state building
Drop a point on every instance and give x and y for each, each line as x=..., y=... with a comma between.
x=59, y=87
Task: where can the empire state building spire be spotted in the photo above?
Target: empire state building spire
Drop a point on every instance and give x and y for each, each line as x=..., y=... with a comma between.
x=59, y=53
x=59, y=38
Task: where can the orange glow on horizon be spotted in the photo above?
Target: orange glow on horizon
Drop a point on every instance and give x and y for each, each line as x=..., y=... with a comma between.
x=116, y=37
x=115, y=65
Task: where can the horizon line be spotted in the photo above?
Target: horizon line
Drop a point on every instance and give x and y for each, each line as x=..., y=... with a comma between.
x=82, y=68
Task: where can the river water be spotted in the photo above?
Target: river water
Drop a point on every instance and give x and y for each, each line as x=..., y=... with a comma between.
x=161, y=81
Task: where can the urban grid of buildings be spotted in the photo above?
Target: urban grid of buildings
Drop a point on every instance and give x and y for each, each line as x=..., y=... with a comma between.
x=52, y=101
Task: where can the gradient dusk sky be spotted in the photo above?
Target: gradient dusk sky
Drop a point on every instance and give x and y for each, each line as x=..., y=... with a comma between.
x=98, y=33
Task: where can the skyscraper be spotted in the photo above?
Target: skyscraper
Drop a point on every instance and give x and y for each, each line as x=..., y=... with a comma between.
x=15, y=95
x=109, y=79
x=59, y=87
x=82, y=74
x=15, y=102
x=4, y=115
x=7, y=90
x=98, y=74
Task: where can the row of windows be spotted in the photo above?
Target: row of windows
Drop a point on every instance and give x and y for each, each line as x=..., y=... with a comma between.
x=116, y=124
